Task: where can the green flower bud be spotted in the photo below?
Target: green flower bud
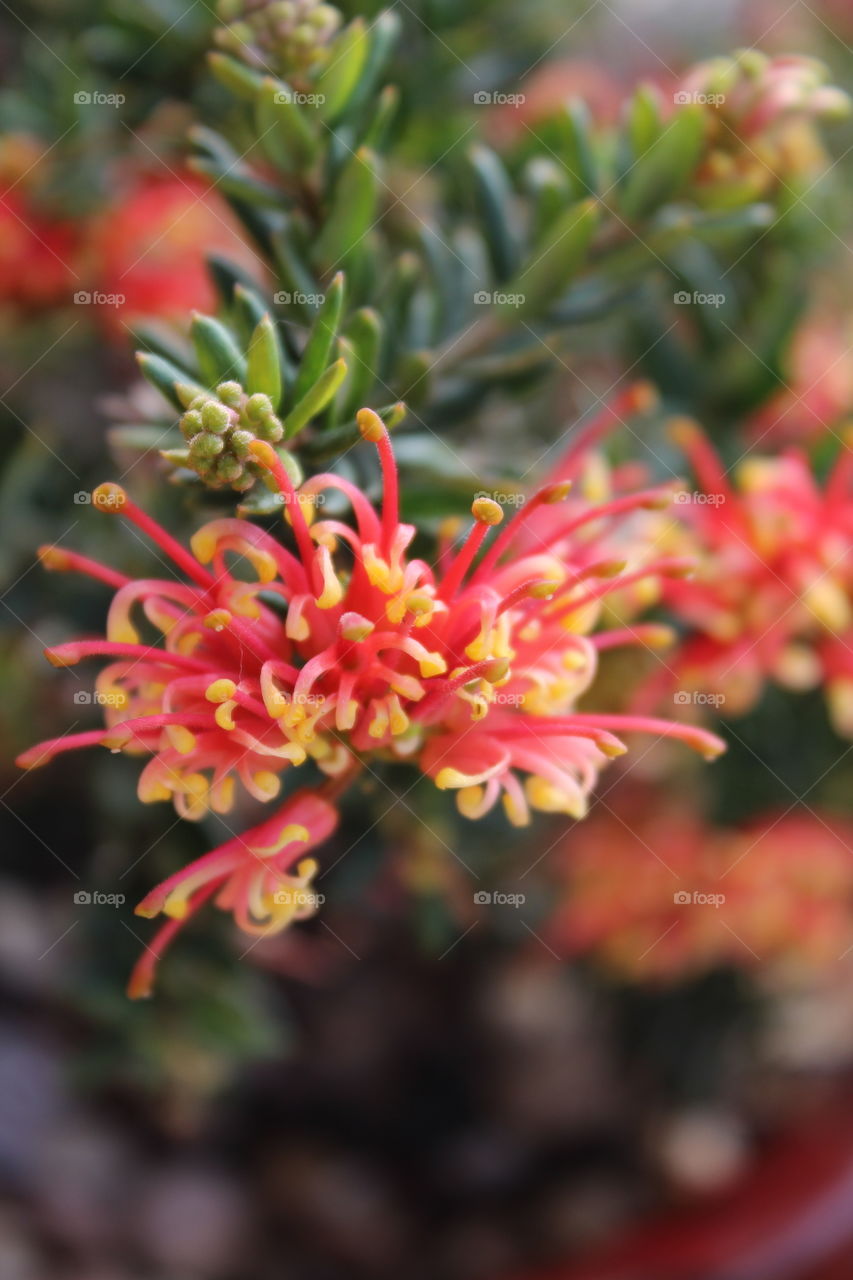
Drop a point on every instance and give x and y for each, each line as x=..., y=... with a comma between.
x=239, y=443
x=230, y=393
x=191, y=424
x=206, y=446
x=216, y=417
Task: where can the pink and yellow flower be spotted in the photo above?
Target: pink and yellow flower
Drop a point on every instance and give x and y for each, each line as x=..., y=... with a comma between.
x=652, y=892
x=346, y=648
x=772, y=597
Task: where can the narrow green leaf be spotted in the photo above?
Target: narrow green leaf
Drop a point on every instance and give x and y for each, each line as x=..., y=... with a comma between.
x=495, y=199
x=661, y=171
x=354, y=207
x=578, y=151
x=264, y=365
x=555, y=262
x=318, y=348
x=166, y=377
x=219, y=357
x=283, y=124
x=339, y=80
x=364, y=332
x=235, y=76
x=644, y=119
x=320, y=395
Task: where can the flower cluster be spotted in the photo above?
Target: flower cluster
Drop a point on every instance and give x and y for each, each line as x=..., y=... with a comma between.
x=761, y=112
x=652, y=892
x=219, y=430
x=280, y=36
x=347, y=649
x=772, y=597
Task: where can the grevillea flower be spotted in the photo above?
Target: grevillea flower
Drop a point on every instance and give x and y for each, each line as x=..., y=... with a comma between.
x=818, y=387
x=654, y=892
x=148, y=248
x=345, y=648
x=761, y=115
x=772, y=597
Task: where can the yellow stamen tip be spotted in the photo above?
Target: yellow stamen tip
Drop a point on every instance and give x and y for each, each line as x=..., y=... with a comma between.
x=644, y=397
x=217, y=619
x=683, y=431
x=53, y=558
x=109, y=497
x=60, y=659
x=370, y=425
x=556, y=492
x=220, y=690
x=486, y=511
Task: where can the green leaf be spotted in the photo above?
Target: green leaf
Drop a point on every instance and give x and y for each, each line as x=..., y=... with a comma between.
x=316, y=400
x=578, y=151
x=546, y=182
x=659, y=174
x=167, y=378
x=495, y=199
x=318, y=348
x=285, y=132
x=383, y=35
x=264, y=363
x=219, y=357
x=296, y=276
x=364, y=333
x=354, y=208
x=235, y=76
x=555, y=262
x=339, y=80
x=644, y=120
